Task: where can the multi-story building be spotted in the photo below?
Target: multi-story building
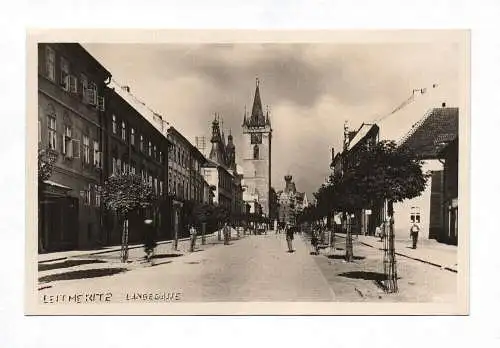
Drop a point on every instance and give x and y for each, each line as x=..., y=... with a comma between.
x=71, y=106
x=291, y=202
x=257, y=155
x=186, y=184
x=134, y=145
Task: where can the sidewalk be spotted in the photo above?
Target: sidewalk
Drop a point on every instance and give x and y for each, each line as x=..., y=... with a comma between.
x=428, y=251
x=63, y=255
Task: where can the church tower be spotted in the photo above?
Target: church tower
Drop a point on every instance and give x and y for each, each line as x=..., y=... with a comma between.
x=257, y=134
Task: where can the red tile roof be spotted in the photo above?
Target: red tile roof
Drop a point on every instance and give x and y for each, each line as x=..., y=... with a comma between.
x=428, y=136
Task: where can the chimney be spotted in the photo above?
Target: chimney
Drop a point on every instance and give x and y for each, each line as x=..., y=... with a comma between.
x=126, y=88
x=443, y=105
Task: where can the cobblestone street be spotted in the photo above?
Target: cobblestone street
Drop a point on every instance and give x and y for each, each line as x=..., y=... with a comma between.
x=251, y=268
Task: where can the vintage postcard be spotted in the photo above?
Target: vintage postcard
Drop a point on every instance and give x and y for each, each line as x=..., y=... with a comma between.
x=247, y=172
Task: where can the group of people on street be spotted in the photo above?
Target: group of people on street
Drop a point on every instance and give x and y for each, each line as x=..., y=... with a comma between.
x=381, y=231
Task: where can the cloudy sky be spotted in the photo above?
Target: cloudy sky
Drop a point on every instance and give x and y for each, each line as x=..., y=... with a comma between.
x=311, y=89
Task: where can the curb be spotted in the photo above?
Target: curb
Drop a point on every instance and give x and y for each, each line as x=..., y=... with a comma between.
x=418, y=259
x=114, y=250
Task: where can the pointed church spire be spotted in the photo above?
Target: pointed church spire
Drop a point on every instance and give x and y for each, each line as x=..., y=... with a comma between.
x=257, y=117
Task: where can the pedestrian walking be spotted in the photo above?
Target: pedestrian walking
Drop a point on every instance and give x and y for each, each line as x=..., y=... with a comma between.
x=289, y=237
x=193, y=233
x=414, y=234
x=227, y=233
x=315, y=241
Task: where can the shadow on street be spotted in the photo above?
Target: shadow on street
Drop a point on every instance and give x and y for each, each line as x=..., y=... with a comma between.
x=342, y=257
x=164, y=256
x=65, y=264
x=372, y=276
x=161, y=263
x=82, y=274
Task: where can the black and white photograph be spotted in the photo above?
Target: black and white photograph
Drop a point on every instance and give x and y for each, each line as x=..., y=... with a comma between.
x=247, y=172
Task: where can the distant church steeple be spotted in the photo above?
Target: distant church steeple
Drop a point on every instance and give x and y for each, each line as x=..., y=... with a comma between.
x=257, y=134
x=231, y=152
x=216, y=153
x=257, y=117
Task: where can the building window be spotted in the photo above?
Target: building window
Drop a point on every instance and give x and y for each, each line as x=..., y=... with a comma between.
x=86, y=196
x=50, y=63
x=97, y=196
x=141, y=143
x=415, y=215
x=114, y=124
x=160, y=155
x=154, y=153
x=52, y=132
x=132, y=136
x=86, y=149
x=118, y=165
x=155, y=185
x=149, y=148
x=66, y=145
x=114, y=170
x=84, y=83
x=256, y=152
x=123, y=131
x=64, y=82
x=97, y=155
x=132, y=167
x=92, y=93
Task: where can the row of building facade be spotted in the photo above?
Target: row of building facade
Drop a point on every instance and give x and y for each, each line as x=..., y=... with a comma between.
x=95, y=129
x=434, y=141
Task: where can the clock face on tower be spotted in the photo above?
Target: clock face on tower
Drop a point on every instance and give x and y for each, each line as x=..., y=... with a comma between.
x=256, y=138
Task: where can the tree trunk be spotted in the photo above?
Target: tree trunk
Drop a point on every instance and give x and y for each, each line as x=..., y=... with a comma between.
x=349, y=254
x=219, y=232
x=124, y=248
x=391, y=269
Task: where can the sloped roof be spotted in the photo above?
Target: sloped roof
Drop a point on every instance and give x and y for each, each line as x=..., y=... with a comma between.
x=152, y=117
x=361, y=134
x=436, y=128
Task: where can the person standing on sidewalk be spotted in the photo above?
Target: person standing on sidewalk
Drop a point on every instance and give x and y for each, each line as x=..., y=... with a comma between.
x=414, y=234
x=289, y=237
x=193, y=233
x=226, y=231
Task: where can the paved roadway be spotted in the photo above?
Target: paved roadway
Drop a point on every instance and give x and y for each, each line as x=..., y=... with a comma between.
x=254, y=268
